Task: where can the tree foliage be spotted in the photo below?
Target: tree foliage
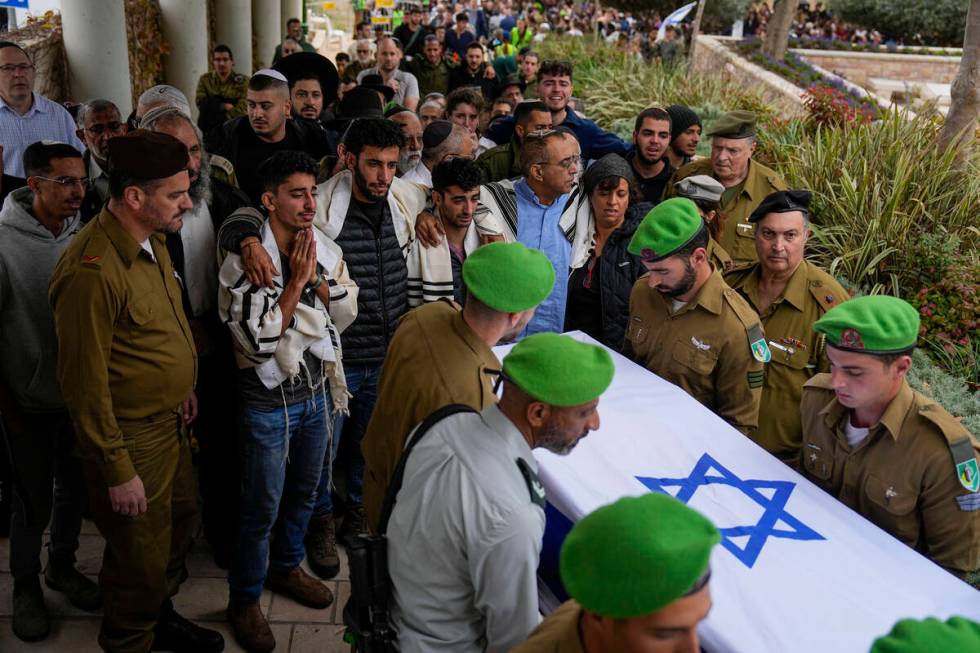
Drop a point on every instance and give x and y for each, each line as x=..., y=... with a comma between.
x=718, y=14
x=912, y=22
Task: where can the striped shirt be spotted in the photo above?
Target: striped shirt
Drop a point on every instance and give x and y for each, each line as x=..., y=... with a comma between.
x=45, y=120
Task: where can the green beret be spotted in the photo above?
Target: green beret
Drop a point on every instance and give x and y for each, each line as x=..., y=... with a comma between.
x=782, y=201
x=668, y=226
x=559, y=370
x=508, y=277
x=637, y=555
x=734, y=124
x=876, y=324
x=912, y=636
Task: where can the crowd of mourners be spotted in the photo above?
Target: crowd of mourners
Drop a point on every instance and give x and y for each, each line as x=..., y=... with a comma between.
x=277, y=298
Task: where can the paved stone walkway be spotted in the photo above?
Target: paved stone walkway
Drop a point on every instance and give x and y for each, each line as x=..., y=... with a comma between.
x=202, y=598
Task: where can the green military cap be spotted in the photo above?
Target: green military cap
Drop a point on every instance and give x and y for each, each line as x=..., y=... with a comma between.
x=637, y=555
x=734, y=124
x=782, y=201
x=930, y=635
x=559, y=370
x=668, y=227
x=876, y=324
x=508, y=277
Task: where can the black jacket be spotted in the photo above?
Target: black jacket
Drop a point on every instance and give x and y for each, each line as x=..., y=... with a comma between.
x=460, y=77
x=619, y=270
x=376, y=264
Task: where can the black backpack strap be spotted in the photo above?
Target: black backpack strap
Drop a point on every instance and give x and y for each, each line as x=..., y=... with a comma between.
x=398, y=476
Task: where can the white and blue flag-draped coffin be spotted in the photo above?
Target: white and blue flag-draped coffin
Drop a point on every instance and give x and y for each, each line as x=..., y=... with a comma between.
x=796, y=570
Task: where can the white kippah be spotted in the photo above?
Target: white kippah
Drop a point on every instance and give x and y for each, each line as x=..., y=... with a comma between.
x=269, y=72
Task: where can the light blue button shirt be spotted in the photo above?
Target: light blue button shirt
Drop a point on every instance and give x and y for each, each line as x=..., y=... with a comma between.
x=44, y=121
x=538, y=228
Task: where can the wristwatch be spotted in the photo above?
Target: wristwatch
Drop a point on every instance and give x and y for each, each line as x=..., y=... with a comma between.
x=313, y=287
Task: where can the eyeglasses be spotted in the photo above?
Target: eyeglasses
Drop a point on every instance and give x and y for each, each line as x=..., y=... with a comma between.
x=112, y=127
x=66, y=181
x=568, y=163
x=12, y=68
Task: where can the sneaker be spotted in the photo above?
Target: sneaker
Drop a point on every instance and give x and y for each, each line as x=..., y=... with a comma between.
x=31, y=621
x=321, y=547
x=355, y=523
x=299, y=585
x=251, y=628
x=82, y=592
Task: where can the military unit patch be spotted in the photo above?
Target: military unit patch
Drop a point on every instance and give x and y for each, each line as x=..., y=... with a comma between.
x=757, y=342
x=969, y=474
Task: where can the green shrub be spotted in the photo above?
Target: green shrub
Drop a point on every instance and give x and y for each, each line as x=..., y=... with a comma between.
x=949, y=392
x=911, y=22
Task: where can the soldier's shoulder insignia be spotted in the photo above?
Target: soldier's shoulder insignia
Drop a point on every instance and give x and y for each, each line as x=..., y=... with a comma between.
x=756, y=379
x=967, y=467
x=534, y=487
x=223, y=164
x=753, y=328
x=758, y=344
x=240, y=78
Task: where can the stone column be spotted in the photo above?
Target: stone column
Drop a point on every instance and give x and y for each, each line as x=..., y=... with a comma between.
x=233, y=27
x=185, y=26
x=268, y=28
x=290, y=9
x=98, y=51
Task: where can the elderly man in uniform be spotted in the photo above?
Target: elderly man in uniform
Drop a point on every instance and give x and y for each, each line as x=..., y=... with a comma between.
x=127, y=367
x=883, y=449
x=465, y=532
x=441, y=355
x=789, y=294
x=638, y=573
x=746, y=182
x=686, y=325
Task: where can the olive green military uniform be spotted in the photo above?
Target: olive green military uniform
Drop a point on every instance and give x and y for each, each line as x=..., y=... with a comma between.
x=127, y=362
x=223, y=170
x=233, y=90
x=797, y=351
x=738, y=234
x=902, y=476
x=705, y=348
x=501, y=162
x=558, y=633
x=432, y=78
x=434, y=360
x=719, y=257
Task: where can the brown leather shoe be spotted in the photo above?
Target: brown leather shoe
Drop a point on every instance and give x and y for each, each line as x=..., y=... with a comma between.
x=251, y=629
x=301, y=586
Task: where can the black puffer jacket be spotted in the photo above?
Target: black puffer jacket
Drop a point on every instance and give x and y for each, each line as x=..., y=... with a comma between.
x=376, y=264
x=620, y=270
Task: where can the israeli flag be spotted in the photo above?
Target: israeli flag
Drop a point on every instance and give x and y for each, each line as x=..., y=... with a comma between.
x=796, y=570
x=674, y=18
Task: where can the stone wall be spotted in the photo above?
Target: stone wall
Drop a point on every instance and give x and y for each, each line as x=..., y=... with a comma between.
x=860, y=67
x=713, y=57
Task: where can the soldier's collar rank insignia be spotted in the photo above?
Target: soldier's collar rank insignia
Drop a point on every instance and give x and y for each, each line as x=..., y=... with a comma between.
x=969, y=474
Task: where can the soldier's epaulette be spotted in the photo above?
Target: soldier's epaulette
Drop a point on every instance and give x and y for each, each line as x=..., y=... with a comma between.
x=826, y=297
x=223, y=164
x=753, y=326
x=738, y=273
x=963, y=446
x=821, y=381
x=534, y=487
x=94, y=253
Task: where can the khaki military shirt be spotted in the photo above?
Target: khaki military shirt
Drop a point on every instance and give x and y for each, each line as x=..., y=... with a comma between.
x=738, y=234
x=705, y=348
x=126, y=350
x=233, y=90
x=434, y=360
x=901, y=476
x=797, y=351
x=558, y=633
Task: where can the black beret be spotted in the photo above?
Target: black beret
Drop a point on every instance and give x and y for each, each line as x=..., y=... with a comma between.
x=144, y=154
x=782, y=201
x=435, y=133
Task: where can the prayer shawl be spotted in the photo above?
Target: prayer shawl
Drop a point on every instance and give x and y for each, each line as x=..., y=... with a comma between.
x=430, y=270
x=254, y=318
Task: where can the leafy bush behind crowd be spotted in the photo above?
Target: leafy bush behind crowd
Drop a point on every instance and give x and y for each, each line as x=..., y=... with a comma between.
x=890, y=214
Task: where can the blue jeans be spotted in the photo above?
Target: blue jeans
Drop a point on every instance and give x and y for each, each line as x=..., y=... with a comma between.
x=280, y=471
x=362, y=382
x=324, y=500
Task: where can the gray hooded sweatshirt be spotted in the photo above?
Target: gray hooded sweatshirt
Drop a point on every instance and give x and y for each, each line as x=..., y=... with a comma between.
x=28, y=345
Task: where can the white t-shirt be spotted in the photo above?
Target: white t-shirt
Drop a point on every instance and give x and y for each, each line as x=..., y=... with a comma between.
x=855, y=434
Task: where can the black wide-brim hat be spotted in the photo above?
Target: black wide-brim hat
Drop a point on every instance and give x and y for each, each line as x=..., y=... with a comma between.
x=306, y=62
x=359, y=102
x=376, y=82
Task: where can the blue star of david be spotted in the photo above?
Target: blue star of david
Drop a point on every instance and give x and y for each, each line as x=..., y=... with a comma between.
x=775, y=508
